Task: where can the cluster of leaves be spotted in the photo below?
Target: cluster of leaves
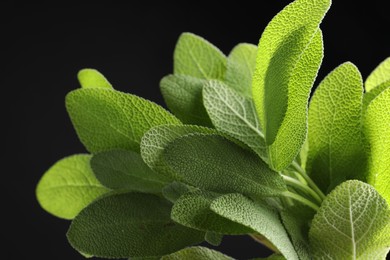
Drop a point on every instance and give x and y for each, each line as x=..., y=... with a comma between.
x=242, y=154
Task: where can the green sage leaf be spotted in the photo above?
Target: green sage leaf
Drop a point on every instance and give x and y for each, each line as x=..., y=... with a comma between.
x=198, y=253
x=378, y=76
x=91, y=78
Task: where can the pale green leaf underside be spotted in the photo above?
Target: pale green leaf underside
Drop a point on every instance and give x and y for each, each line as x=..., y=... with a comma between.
x=183, y=96
x=121, y=169
x=129, y=225
x=107, y=119
x=69, y=186
x=379, y=75
x=91, y=78
x=289, y=55
x=335, y=137
x=196, y=253
x=235, y=115
x=257, y=217
x=241, y=65
x=194, y=56
x=212, y=163
x=156, y=139
x=352, y=223
x=377, y=132
x=193, y=210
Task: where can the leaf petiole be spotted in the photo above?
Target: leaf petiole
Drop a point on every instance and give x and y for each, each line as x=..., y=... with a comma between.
x=308, y=179
x=297, y=184
x=301, y=199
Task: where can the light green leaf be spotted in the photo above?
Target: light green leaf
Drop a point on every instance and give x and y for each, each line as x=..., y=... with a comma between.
x=121, y=169
x=213, y=238
x=194, y=56
x=198, y=253
x=193, y=210
x=183, y=96
x=370, y=96
x=107, y=119
x=129, y=225
x=235, y=115
x=91, y=78
x=69, y=186
x=257, y=217
x=379, y=75
x=212, y=163
x=352, y=223
x=156, y=139
x=335, y=136
x=377, y=132
x=241, y=65
x=289, y=56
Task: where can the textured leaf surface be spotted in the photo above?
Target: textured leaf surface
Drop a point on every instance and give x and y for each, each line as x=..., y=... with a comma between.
x=194, y=56
x=379, y=75
x=377, y=132
x=335, y=137
x=289, y=55
x=353, y=222
x=91, y=78
x=108, y=119
x=69, y=186
x=156, y=139
x=129, y=225
x=183, y=96
x=235, y=115
x=174, y=190
x=193, y=210
x=257, y=217
x=213, y=238
x=198, y=253
x=241, y=65
x=370, y=96
x=213, y=163
x=121, y=169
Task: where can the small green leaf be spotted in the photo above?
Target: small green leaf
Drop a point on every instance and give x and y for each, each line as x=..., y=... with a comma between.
x=156, y=139
x=353, y=222
x=91, y=78
x=370, y=96
x=129, y=225
x=212, y=163
x=193, y=210
x=240, y=68
x=335, y=136
x=235, y=115
x=289, y=56
x=107, y=119
x=121, y=169
x=379, y=75
x=69, y=186
x=257, y=217
x=183, y=96
x=197, y=253
x=377, y=132
x=194, y=56
x=213, y=238
x=173, y=191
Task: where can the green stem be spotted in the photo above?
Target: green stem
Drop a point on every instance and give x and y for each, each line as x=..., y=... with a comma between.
x=301, y=199
x=309, y=180
x=297, y=184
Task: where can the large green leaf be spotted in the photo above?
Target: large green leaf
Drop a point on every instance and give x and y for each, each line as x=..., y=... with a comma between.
x=353, y=222
x=235, y=115
x=193, y=210
x=335, y=136
x=370, y=96
x=156, y=139
x=379, y=75
x=183, y=96
x=129, y=225
x=289, y=55
x=69, y=186
x=257, y=217
x=121, y=169
x=107, y=119
x=240, y=68
x=196, y=253
x=213, y=163
x=377, y=132
x=91, y=78
x=194, y=56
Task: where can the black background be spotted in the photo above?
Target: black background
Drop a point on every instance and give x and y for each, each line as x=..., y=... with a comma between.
x=43, y=47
